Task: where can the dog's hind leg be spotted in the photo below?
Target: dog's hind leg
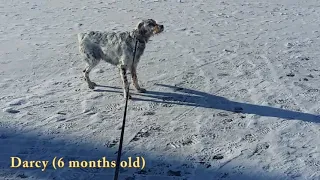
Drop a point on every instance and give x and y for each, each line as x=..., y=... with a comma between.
x=92, y=54
x=135, y=80
x=87, y=71
x=123, y=74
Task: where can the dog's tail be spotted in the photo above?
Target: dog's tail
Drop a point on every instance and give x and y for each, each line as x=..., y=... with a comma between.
x=81, y=36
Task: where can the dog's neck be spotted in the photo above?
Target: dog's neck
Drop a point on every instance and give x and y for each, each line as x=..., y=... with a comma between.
x=140, y=38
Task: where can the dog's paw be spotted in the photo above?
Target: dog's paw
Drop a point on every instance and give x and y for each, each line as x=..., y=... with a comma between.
x=142, y=90
x=92, y=85
x=124, y=96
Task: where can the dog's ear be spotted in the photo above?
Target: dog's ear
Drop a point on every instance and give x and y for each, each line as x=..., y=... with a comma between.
x=139, y=25
x=141, y=30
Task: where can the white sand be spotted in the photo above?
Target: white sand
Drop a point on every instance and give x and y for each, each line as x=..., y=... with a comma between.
x=259, y=58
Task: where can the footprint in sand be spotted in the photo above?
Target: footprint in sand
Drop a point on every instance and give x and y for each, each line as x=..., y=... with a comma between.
x=226, y=121
x=189, y=140
x=313, y=90
x=260, y=148
x=291, y=74
x=112, y=143
x=86, y=107
x=146, y=132
x=10, y=110
x=148, y=113
x=249, y=138
x=263, y=130
x=222, y=114
x=15, y=102
x=113, y=106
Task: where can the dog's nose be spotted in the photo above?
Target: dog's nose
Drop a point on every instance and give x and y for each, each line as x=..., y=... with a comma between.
x=161, y=26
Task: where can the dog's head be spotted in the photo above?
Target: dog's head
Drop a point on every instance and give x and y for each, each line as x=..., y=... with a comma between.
x=149, y=27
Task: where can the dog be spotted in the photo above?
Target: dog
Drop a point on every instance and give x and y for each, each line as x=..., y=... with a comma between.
x=117, y=48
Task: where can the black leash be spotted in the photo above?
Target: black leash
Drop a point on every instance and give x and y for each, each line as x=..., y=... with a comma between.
x=116, y=174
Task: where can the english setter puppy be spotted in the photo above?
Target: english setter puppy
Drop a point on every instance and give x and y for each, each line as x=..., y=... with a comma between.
x=117, y=48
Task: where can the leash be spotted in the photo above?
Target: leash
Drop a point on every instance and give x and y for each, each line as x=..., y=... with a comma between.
x=116, y=173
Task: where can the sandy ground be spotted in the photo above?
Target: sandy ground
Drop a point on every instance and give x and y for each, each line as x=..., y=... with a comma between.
x=233, y=90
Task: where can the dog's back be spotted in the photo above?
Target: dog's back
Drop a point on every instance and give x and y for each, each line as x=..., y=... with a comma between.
x=90, y=50
x=93, y=44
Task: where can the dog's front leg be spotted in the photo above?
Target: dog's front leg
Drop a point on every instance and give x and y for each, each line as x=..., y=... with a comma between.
x=135, y=80
x=123, y=74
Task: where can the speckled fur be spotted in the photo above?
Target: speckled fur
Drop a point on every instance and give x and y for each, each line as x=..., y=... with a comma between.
x=117, y=49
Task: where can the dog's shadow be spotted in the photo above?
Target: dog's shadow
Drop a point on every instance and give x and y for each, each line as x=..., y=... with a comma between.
x=189, y=97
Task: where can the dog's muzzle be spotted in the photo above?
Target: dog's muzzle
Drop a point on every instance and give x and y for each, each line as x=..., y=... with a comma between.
x=161, y=27
x=158, y=29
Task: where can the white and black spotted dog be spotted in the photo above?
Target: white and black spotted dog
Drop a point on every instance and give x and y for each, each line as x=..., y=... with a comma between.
x=117, y=48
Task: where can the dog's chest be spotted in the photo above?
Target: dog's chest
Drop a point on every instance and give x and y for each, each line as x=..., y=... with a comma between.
x=140, y=49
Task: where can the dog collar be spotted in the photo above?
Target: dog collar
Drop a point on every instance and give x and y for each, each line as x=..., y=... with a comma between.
x=135, y=37
x=139, y=40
